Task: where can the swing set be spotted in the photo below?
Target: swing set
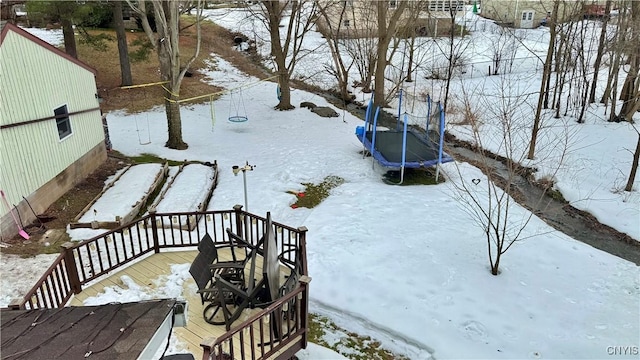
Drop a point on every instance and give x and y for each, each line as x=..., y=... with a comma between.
x=237, y=107
x=237, y=104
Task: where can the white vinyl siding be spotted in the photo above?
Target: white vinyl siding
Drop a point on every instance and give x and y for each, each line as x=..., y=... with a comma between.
x=33, y=82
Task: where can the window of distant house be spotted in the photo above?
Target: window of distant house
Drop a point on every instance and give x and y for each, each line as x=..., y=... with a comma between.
x=63, y=122
x=345, y=23
x=393, y=4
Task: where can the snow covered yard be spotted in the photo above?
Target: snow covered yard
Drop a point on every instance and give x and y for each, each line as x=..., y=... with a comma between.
x=407, y=265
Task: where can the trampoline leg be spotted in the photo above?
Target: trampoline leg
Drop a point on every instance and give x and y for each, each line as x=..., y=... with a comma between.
x=437, y=172
x=401, y=175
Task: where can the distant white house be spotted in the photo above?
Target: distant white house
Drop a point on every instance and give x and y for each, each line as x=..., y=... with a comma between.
x=51, y=133
x=529, y=14
x=358, y=18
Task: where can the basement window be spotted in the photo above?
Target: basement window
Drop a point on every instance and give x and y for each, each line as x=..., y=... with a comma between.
x=63, y=123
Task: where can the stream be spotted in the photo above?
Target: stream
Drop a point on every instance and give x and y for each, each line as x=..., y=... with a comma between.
x=560, y=215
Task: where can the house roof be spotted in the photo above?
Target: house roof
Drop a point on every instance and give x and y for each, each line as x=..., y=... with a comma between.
x=10, y=27
x=113, y=331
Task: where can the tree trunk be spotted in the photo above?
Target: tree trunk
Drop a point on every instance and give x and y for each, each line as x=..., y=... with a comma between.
x=386, y=31
x=629, y=94
x=600, y=53
x=285, y=92
x=174, y=123
x=631, y=87
x=545, y=78
x=123, y=51
x=381, y=66
x=169, y=59
x=166, y=42
x=366, y=82
x=451, y=62
x=616, y=53
x=171, y=94
x=274, y=14
x=634, y=167
x=411, y=55
x=381, y=54
x=69, y=38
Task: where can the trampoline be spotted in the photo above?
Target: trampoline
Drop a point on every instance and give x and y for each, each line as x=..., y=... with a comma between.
x=404, y=148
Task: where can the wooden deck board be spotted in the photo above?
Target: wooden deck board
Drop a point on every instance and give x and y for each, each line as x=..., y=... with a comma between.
x=153, y=267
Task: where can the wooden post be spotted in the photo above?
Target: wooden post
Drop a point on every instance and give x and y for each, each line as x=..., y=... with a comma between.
x=70, y=265
x=239, y=215
x=206, y=344
x=304, y=309
x=16, y=304
x=154, y=230
x=303, y=249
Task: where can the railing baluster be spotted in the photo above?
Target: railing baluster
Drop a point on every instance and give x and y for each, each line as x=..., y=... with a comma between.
x=253, y=342
x=261, y=336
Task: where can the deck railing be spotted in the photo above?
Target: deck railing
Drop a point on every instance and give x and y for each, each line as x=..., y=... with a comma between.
x=272, y=330
x=82, y=262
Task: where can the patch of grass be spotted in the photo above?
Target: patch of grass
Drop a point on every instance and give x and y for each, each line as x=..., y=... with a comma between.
x=313, y=194
x=556, y=195
x=413, y=177
x=349, y=344
x=147, y=158
x=32, y=247
x=547, y=184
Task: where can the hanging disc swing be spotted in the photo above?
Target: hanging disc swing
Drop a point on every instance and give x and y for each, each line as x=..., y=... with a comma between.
x=237, y=104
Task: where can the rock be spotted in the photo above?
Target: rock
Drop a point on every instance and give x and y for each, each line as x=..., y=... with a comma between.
x=325, y=111
x=308, y=105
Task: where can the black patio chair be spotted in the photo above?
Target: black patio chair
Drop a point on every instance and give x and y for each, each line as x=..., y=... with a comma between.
x=232, y=270
x=203, y=272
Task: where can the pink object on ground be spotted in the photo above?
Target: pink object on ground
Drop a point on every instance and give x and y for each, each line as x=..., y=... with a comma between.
x=20, y=229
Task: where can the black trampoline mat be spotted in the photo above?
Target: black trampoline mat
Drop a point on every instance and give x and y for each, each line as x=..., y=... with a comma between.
x=389, y=145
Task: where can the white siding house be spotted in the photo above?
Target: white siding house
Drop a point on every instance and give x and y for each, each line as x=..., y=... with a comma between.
x=528, y=14
x=51, y=134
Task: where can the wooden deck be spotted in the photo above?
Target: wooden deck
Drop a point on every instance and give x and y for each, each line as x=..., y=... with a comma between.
x=148, y=274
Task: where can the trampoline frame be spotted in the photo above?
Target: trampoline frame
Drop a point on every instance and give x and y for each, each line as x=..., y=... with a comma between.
x=368, y=139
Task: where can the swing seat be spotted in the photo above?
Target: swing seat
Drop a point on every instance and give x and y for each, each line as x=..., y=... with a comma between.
x=238, y=119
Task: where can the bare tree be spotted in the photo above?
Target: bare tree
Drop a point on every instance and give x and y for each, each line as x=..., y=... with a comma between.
x=490, y=201
x=630, y=94
x=411, y=29
x=503, y=49
x=454, y=53
x=600, y=53
x=166, y=43
x=634, y=164
x=286, y=48
x=387, y=29
x=363, y=44
x=123, y=51
x=335, y=34
x=546, y=77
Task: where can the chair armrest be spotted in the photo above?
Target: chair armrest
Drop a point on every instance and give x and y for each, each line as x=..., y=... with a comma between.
x=206, y=290
x=240, y=241
x=226, y=265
